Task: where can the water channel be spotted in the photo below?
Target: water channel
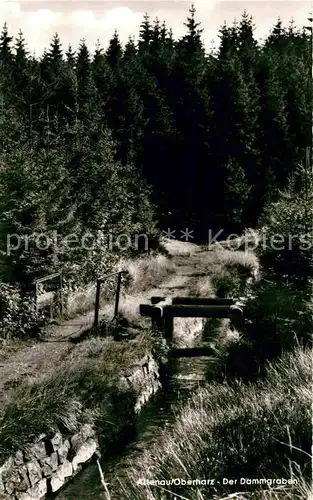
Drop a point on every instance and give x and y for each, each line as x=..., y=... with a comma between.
x=187, y=374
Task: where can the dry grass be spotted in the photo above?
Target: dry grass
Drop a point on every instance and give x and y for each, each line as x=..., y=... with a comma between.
x=176, y=247
x=146, y=272
x=245, y=260
x=203, y=287
x=233, y=259
x=187, y=331
x=227, y=272
x=249, y=240
x=88, y=381
x=243, y=430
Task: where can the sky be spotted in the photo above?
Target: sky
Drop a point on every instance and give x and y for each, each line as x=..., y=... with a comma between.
x=74, y=20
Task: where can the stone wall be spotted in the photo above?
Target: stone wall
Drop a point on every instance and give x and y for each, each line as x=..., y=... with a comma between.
x=46, y=465
x=144, y=379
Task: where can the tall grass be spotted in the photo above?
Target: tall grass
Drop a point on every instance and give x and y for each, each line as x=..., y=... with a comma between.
x=239, y=430
x=86, y=386
x=226, y=272
x=146, y=272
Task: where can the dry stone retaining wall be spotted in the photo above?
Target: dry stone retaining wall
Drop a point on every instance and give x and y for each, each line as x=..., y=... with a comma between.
x=44, y=467
x=48, y=464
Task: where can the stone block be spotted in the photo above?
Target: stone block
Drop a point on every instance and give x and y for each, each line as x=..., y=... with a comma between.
x=59, y=477
x=49, y=464
x=152, y=366
x=11, y=479
x=19, y=458
x=63, y=451
x=6, y=468
x=35, y=451
x=37, y=492
x=34, y=472
x=84, y=453
x=10, y=487
x=41, y=437
x=24, y=484
x=57, y=441
x=87, y=431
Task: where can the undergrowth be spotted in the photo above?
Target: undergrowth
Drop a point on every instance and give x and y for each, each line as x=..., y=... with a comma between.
x=235, y=430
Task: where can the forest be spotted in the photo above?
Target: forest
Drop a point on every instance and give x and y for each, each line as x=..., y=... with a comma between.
x=102, y=153
x=152, y=135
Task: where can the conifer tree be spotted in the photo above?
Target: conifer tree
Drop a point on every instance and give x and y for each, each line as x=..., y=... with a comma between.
x=115, y=51
x=155, y=37
x=70, y=57
x=21, y=73
x=55, y=55
x=86, y=89
x=145, y=34
x=228, y=40
x=130, y=50
x=5, y=45
x=6, y=59
x=21, y=52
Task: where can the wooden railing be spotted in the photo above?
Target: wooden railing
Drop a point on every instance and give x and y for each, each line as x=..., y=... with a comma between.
x=162, y=314
x=117, y=294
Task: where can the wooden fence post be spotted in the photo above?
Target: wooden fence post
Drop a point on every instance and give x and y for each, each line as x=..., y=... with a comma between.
x=61, y=294
x=36, y=297
x=97, y=304
x=237, y=317
x=169, y=328
x=117, y=296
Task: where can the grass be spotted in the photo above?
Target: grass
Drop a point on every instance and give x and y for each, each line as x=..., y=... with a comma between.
x=249, y=240
x=239, y=430
x=9, y=347
x=86, y=386
x=226, y=272
x=176, y=247
x=146, y=272
x=187, y=331
x=88, y=381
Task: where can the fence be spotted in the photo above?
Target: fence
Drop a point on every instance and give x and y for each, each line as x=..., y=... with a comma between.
x=162, y=316
x=49, y=294
x=117, y=294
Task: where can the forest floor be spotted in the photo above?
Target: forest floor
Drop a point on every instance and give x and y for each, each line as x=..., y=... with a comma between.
x=25, y=362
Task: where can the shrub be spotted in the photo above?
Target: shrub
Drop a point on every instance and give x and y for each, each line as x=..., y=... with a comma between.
x=287, y=232
x=280, y=318
x=18, y=317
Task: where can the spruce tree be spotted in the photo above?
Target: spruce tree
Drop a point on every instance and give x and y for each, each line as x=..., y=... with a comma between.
x=114, y=51
x=156, y=37
x=55, y=54
x=228, y=40
x=21, y=53
x=130, y=50
x=145, y=34
x=70, y=57
x=21, y=71
x=87, y=92
x=5, y=45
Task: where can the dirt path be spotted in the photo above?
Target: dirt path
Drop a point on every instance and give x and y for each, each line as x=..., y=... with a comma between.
x=35, y=358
